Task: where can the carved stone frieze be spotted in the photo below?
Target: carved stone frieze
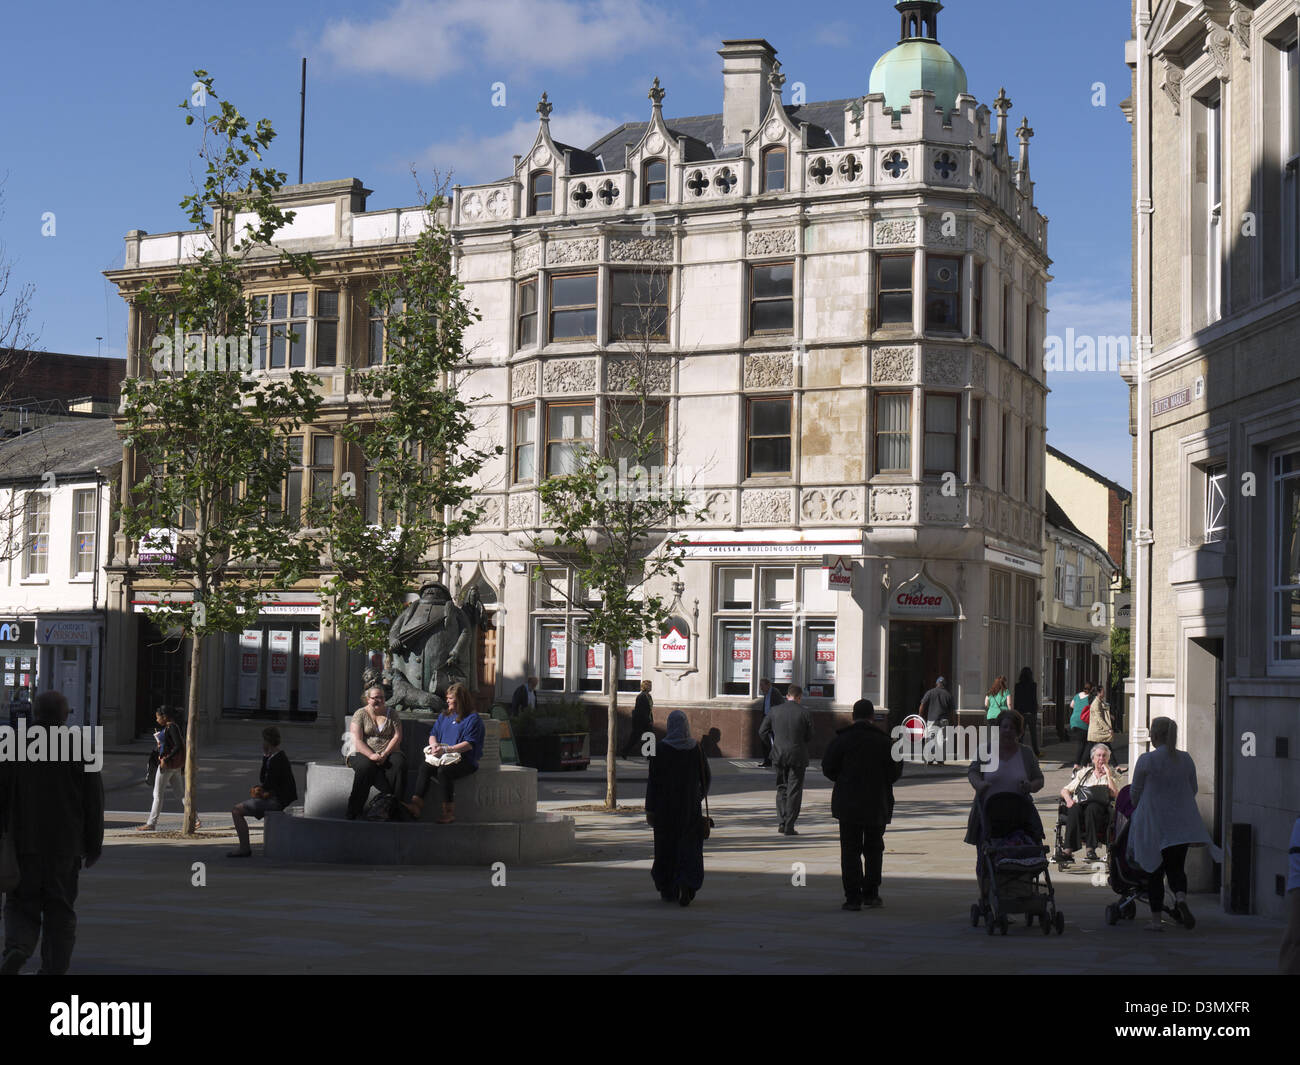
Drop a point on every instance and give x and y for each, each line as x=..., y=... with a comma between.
x=981, y=239
x=641, y=250
x=621, y=373
x=945, y=368
x=498, y=203
x=569, y=375
x=527, y=258
x=561, y=252
x=765, y=506
x=891, y=504
x=946, y=231
x=769, y=369
x=890, y=365
x=895, y=230
x=935, y=506
x=770, y=242
x=831, y=505
x=716, y=506
x=523, y=510
x=471, y=207
x=523, y=381
x=490, y=518
x=977, y=369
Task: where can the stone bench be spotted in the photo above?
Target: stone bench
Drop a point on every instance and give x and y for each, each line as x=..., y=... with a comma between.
x=543, y=838
x=493, y=793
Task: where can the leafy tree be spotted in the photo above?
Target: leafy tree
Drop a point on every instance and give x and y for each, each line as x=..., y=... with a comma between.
x=415, y=431
x=611, y=519
x=210, y=435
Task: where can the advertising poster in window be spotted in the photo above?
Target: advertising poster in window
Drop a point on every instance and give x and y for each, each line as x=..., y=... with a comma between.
x=674, y=646
x=632, y=661
x=782, y=656
x=821, y=678
x=556, y=657
x=309, y=671
x=595, y=667
x=277, y=673
x=742, y=657
x=250, y=669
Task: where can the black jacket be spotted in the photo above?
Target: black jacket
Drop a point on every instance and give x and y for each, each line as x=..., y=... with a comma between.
x=54, y=809
x=277, y=778
x=858, y=759
x=790, y=727
x=519, y=701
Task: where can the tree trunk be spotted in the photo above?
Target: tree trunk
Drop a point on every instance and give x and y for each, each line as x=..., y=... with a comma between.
x=191, y=734
x=611, y=746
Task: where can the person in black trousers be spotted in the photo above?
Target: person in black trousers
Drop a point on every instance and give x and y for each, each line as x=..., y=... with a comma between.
x=1024, y=700
x=789, y=727
x=858, y=759
x=643, y=721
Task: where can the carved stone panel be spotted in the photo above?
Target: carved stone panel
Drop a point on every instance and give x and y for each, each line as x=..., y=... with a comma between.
x=491, y=516
x=641, y=250
x=891, y=504
x=523, y=381
x=717, y=505
x=523, y=510
x=945, y=232
x=770, y=242
x=561, y=252
x=527, y=258
x=827, y=505
x=889, y=365
x=765, y=506
x=935, y=506
x=981, y=239
x=569, y=375
x=769, y=369
x=978, y=365
x=620, y=372
x=895, y=231
x=945, y=368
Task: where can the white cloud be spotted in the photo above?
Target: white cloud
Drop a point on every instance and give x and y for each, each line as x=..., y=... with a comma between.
x=474, y=158
x=839, y=34
x=429, y=40
x=1089, y=309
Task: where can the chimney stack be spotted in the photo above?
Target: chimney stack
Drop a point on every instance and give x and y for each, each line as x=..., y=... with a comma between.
x=745, y=67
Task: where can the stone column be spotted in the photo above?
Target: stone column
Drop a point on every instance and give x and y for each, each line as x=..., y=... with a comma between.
x=132, y=339
x=345, y=324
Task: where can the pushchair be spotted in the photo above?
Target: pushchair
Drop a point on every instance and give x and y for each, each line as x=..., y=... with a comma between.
x=1125, y=877
x=1013, y=867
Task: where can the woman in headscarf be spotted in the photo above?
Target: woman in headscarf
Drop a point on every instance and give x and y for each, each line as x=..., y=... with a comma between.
x=679, y=780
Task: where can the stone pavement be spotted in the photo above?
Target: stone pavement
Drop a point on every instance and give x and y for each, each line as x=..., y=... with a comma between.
x=140, y=913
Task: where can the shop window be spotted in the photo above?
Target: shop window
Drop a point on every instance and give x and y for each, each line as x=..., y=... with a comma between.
x=591, y=667
x=630, y=667
x=573, y=307
x=735, y=658
x=1286, y=558
x=893, y=432
x=778, y=589
x=736, y=589
x=771, y=298
x=552, y=641
x=550, y=589
x=819, y=659
x=273, y=670
x=894, y=291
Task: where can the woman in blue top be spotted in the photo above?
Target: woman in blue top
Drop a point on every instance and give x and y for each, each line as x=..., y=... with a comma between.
x=457, y=730
x=1078, y=727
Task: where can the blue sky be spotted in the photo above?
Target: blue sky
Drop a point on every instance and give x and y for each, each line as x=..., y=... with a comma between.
x=94, y=133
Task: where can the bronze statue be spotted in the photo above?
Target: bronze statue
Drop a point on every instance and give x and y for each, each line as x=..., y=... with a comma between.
x=432, y=647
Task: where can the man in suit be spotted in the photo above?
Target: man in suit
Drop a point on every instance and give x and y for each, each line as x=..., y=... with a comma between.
x=525, y=697
x=55, y=809
x=790, y=727
x=643, y=721
x=859, y=761
x=768, y=698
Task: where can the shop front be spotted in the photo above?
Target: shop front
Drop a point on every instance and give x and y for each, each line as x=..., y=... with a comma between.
x=272, y=668
x=18, y=649
x=68, y=655
x=922, y=625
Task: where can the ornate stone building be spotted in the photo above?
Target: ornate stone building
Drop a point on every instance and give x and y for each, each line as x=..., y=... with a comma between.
x=849, y=298
x=1216, y=414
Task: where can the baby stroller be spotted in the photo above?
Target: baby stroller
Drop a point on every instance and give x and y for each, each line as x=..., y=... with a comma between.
x=1125, y=877
x=1013, y=867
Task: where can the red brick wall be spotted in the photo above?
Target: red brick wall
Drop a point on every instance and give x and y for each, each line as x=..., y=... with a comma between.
x=49, y=375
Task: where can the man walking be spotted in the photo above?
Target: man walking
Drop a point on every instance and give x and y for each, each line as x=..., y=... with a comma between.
x=55, y=809
x=768, y=698
x=525, y=697
x=936, y=709
x=858, y=760
x=790, y=728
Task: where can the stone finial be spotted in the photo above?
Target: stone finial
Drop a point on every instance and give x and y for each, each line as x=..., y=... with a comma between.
x=544, y=108
x=657, y=94
x=1024, y=133
x=776, y=79
x=856, y=111
x=1001, y=105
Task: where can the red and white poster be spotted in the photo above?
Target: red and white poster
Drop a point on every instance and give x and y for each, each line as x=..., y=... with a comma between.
x=674, y=646
x=632, y=661
x=823, y=667
x=595, y=662
x=309, y=670
x=277, y=674
x=556, y=655
x=249, y=695
x=742, y=654
x=782, y=656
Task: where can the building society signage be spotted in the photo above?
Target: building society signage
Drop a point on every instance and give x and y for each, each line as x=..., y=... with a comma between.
x=675, y=645
x=921, y=597
x=838, y=571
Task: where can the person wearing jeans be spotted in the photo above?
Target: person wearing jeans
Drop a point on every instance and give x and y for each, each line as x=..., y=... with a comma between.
x=458, y=730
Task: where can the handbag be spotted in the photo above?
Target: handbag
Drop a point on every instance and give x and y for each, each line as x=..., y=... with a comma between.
x=1087, y=713
x=706, y=822
x=450, y=758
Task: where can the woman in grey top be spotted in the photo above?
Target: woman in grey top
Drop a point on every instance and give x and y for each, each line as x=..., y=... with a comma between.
x=377, y=757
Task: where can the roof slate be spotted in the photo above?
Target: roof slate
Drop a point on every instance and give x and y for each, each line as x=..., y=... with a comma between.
x=64, y=449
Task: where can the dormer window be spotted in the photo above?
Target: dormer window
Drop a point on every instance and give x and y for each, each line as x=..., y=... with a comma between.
x=541, y=187
x=774, y=168
x=655, y=181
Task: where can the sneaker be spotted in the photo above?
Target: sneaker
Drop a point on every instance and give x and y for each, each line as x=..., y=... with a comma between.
x=790, y=831
x=1184, y=914
x=851, y=904
x=873, y=903
x=1092, y=856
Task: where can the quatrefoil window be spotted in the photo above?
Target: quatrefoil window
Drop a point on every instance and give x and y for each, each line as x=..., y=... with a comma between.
x=698, y=184
x=945, y=165
x=608, y=193
x=725, y=180
x=850, y=168
x=820, y=170
x=582, y=195
x=895, y=164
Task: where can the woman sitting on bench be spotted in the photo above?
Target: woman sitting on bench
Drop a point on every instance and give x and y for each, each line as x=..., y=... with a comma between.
x=455, y=747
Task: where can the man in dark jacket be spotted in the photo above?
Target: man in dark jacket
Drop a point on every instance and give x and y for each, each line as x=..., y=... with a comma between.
x=56, y=811
x=768, y=697
x=858, y=760
x=525, y=697
x=789, y=726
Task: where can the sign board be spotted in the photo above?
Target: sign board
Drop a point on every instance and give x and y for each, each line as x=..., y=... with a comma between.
x=742, y=654
x=782, y=656
x=277, y=672
x=308, y=670
x=675, y=645
x=158, y=546
x=595, y=662
x=921, y=598
x=556, y=655
x=14, y=631
x=1164, y=404
x=1124, y=610
x=838, y=573
x=66, y=633
x=632, y=661
x=1016, y=562
x=769, y=543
